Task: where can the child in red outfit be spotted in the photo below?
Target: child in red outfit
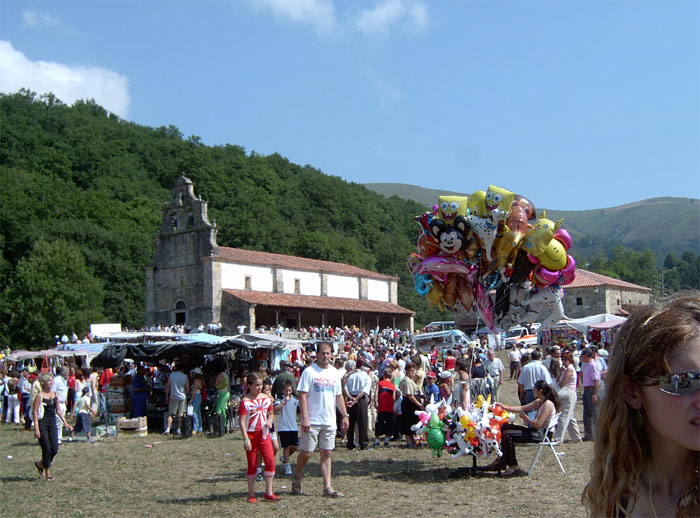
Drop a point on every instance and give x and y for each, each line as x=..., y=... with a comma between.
x=255, y=415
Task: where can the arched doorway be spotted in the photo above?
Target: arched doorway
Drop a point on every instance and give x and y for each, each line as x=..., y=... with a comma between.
x=180, y=313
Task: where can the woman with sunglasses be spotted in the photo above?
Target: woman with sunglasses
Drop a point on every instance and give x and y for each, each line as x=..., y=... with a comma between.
x=646, y=456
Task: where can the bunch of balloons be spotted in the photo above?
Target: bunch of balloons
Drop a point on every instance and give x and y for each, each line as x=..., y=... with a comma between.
x=476, y=431
x=433, y=417
x=491, y=254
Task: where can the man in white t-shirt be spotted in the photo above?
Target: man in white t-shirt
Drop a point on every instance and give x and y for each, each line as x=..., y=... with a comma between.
x=514, y=357
x=319, y=391
x=60, y=387
x=494, y=369
x=176, y=390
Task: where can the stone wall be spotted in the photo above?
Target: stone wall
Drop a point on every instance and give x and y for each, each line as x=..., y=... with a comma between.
x=584, y=302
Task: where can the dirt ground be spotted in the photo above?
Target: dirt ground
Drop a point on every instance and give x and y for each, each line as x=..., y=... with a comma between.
x=206, y=477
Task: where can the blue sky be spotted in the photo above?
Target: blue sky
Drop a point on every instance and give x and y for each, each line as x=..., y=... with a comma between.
x=576, y=105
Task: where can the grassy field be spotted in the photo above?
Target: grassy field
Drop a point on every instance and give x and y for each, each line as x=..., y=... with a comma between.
x=206, y=477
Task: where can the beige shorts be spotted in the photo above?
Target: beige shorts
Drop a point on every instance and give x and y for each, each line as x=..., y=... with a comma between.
x=177, y=406
x=319, y=436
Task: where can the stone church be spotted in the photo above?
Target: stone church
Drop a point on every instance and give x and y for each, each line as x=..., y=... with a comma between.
x=193, y=280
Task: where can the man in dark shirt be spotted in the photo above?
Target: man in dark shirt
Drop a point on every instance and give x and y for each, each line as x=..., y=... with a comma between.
x=284, y=375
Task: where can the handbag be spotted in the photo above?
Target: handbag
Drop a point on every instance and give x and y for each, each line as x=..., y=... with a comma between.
x=397, y=405
x=40, y=413
x=562, y=392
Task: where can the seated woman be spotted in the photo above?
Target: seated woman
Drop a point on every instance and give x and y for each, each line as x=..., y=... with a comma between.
x=646, y=462
x=547, y=405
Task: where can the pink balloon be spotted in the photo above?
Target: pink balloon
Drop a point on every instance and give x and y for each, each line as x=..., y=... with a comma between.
x=563, y=235
x=442, y=264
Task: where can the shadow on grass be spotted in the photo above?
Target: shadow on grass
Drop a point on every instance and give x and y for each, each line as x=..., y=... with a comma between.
x=19, y=479
x=223, y=477
x=403, y=470
x=33, y=443
x=225, y=497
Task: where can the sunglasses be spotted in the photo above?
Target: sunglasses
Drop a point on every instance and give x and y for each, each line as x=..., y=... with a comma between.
x=678, y=383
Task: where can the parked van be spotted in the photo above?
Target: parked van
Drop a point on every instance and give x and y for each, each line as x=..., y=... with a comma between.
x=434, y=327
x=442, y=339
x=522, y=335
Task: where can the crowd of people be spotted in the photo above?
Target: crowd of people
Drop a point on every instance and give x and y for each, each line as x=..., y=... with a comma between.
x=370, y=392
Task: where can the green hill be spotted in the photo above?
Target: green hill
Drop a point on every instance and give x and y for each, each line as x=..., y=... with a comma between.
x=663, y=224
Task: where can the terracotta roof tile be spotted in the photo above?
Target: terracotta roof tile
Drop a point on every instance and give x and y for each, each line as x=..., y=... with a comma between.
x=586, y=279
x=241, y=256
x=288, y=300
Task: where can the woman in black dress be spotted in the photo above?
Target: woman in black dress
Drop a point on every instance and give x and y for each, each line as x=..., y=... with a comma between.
x=46, y=429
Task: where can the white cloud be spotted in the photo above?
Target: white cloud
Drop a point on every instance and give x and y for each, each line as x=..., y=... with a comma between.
x=388, y=93
x=319, y=14
x=68, y=83
x=35, y=19
x=378, y=21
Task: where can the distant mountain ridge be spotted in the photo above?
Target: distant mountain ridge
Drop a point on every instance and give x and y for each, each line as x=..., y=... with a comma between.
x=664, y=224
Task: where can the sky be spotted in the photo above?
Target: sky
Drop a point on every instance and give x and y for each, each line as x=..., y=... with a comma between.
x=574, y=104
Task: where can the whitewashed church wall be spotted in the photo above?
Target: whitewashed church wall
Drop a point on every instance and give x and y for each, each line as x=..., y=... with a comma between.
x=309, y=282
x=233, y=277
x=378, y=290
x=346, y=287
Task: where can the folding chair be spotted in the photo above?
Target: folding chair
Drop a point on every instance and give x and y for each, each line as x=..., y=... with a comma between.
x=545, y=441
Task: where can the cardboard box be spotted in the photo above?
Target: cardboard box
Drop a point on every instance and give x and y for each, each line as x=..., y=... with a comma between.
x=120, y=381
x=137, y=423
x=133, y=433
x=118, y=400
x=118, y=391
x=119, y=409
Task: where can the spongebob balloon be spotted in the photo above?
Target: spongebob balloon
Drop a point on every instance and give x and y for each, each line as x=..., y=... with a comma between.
x=476, y=204
x=449, y=207
x=498, y=198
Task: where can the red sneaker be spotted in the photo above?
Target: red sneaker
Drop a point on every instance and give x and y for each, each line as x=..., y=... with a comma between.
x=271, y=497
x=253, y=500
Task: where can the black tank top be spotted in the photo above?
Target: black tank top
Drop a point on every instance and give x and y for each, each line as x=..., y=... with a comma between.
x=49, y=408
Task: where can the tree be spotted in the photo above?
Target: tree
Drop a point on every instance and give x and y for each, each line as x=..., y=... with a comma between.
x=51, y=292
x=671, y=261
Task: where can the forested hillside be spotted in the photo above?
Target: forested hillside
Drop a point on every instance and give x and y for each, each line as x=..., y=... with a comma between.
x=81, y=200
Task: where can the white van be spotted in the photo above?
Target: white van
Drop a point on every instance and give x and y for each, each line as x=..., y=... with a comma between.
x=444, y=325
x=442, y=339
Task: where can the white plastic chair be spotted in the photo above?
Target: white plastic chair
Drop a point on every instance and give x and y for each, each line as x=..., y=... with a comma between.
x=546, y=441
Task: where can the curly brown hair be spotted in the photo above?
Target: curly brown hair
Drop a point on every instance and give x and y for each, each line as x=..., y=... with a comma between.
x=642, y=349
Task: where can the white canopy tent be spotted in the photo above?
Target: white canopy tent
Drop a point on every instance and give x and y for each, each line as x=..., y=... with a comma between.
x=601, y=321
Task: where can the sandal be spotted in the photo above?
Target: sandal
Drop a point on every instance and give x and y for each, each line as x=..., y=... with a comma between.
x=37, y=464
x=333, y=493
x=296, y=485
x=50, y=479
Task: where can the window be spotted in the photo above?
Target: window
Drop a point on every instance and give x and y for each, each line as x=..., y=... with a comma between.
x=248, y=282
x=297, y=286
x=579, y=301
